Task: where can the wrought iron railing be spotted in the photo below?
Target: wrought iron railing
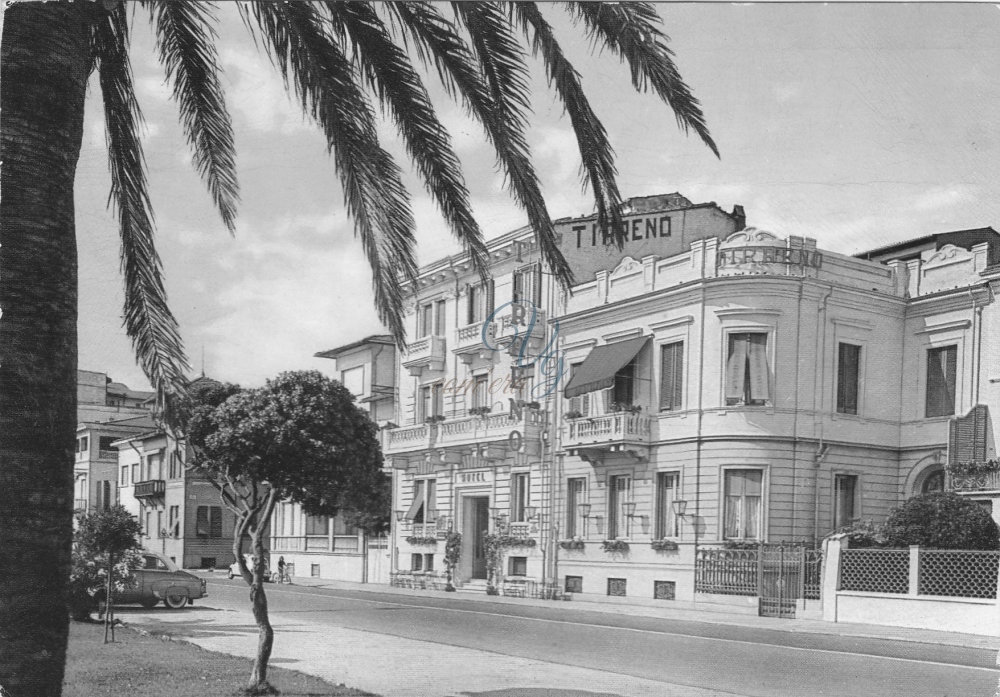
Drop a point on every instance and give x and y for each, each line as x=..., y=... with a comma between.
x=726, y=571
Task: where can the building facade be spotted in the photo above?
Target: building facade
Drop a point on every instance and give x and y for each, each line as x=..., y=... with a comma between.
x=330, y=547
x=96, y=465
x=708, y=385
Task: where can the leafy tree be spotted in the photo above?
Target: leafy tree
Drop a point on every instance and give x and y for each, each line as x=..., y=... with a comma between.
x=107, y=544
x=340, y=59
x=941, y=520
x=298, y=438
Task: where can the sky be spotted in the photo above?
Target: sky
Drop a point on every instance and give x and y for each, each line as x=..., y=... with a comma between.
x=858, y=125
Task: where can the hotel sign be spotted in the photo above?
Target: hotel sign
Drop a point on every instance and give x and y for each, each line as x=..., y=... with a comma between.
x=475, y=477
x=757, y=254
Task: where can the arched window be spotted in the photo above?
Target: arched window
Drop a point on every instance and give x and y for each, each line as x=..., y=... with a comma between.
x=933, y=482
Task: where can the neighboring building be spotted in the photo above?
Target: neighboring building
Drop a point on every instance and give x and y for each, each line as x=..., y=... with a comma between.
x=328, y=546
x=100, y=399
x=96, y=466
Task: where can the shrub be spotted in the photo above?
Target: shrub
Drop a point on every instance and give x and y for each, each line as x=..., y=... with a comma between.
x=942, y=520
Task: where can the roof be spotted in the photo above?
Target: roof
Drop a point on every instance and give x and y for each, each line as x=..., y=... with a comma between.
x=911, y=249
x=340, y=350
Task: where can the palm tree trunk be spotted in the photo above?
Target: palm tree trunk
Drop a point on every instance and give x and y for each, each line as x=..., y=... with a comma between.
x=44, y=62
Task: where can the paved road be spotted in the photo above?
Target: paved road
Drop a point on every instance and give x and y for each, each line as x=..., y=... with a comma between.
x=721, y=658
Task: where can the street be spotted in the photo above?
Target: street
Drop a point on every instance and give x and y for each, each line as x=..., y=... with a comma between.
x=449, y=644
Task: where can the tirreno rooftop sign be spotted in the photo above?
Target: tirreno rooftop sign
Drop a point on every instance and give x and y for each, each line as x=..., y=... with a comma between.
x=662, y=226
x=758, y=251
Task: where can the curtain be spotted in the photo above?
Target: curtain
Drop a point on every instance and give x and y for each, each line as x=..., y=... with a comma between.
x=760, y=390
x=941, y=371
x=736, y=368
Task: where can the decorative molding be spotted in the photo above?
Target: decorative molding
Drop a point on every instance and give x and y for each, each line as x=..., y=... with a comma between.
x=668, y=323
x=625, y=334
x=583, y=343
x=626, y=267
x=948, y=254
x=850, y=322
x=726, y=312
x=946, y=326
x=750, y=235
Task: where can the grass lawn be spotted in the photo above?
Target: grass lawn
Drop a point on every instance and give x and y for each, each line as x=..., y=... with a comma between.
x=146, y=665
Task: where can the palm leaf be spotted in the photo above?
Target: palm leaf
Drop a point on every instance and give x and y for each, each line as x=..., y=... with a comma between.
x=592, y=139
x=631, y=30
x=185, y=38
x=311, y=62
x=494, y=91
x=399, y=87
x=148, y=320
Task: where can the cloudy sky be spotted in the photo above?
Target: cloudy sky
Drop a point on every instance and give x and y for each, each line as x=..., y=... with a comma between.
x=857, y=125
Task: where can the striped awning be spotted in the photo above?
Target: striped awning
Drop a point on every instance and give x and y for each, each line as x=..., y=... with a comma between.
x=597, y=372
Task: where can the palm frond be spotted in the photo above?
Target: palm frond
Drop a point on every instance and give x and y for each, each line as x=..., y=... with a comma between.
x=631, y=30
x=185, y=38
x=148, y=320
x=399, y=87
x=492, y=85
x=595, y=149
x=315, y=67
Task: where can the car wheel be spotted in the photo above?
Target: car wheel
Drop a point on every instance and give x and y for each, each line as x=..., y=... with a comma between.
x=175, y=602
x=148, y=603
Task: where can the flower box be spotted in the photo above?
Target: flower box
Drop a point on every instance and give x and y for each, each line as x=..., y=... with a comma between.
x=571, y=544
x=615, y=546
x=664, y=545
x=415, y=540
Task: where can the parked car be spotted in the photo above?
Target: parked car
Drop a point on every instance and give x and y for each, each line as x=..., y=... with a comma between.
x=160, y=579
x=234, y=568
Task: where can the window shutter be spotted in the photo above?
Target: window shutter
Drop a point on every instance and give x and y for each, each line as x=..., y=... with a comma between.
x=736, y=368
x=537, y=286
x=418, y=499
x=759, y=378
x=201, y=522
x=470, y=304
x=490, y=298
x=671, y=376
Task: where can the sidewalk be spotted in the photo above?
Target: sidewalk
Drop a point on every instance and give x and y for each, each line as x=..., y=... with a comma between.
x=687, y=612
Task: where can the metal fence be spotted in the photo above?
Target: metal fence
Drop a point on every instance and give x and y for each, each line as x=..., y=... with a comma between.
x=966, y=574
x=726, y=571
x=812, y=580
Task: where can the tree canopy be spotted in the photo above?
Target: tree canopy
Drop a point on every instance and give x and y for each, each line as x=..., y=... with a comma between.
x=941, y=520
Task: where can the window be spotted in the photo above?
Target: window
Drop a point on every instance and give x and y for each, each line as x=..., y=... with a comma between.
x=619, y=493
x=528, y=285
x=671, y=376
x=424, y=500
x=664, y=590
x=104, y=443
x=208, y=521
x=416, y=562
x=135, y=472
x=747, y=375
x=480, y=392
x=576, y=492
x=124, y=476
x=176, y=465
x=941, y=369
x=845, y=492
x=425, y=320
x=107, y=501
x=517, y=566
x=519, y=497
x=617, y=586
x=579, y=404
x=154, y=466
x=742, y=504
x=848, y=362
x=159, y=524
x=428, y=562
x=354, y=380
x=149, y=524
x=314, y=570
x=479, y=304
x=439, y=318
x=934, y=482
x=317, y=525
x=666, y=494
x=175, y=523
x=623, y=393
x=431, y=401
x=83, y=444
x=574, y=584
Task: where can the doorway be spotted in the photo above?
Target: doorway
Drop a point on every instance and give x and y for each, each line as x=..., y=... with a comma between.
x=475, y=526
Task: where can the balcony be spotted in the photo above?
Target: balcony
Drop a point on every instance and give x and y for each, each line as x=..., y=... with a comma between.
x=521, y=328
x=409, y=438
x=469, y=342
x=596, y=437
x=149, y=488
x=474, y=430
x=79, y=504
x=425, y=354
x=969, y=482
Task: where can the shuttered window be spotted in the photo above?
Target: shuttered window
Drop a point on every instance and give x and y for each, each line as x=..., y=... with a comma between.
x=208, y=521
x=848, y=361
x=671, y=376
x=748, y=382
x=941, y=373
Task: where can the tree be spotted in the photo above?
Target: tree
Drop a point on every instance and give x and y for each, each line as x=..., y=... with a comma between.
x=109, y=540
x=942, y=520
x=339, y=58
x=298, y=438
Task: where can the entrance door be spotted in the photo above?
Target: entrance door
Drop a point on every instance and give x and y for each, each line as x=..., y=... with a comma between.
x=477, y=525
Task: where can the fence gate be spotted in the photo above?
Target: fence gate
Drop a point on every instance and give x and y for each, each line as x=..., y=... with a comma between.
x=779, y=579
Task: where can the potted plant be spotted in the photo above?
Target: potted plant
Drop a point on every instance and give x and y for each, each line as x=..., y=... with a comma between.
x=573, y=414
x=664, y=545
x=452, y=553
x=436, y=418
x=418, y=540
x=615, y=546
x=574, y=543
x=480, y=411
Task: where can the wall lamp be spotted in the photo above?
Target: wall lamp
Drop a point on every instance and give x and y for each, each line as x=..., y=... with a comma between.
x=400, y=516
x=530, y=512
x=584, y=509
x=680, y=507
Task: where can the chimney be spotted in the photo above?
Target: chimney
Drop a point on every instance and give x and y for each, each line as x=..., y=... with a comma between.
x=740, y=216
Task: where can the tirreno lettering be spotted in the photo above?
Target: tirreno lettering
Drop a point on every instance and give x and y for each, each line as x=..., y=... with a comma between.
x=636, y=229
x=738, y=256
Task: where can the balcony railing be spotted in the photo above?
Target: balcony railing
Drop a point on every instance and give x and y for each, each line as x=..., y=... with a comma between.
x=79, y=504
x=314, y=543
x=609, y=428
x=984, y=481
x=150, y=487
x=107, y=454
x=485, y=428
x=407, y=438
x=426, y=353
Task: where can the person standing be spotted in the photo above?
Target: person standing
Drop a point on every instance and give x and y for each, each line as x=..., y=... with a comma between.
x=281, y=570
